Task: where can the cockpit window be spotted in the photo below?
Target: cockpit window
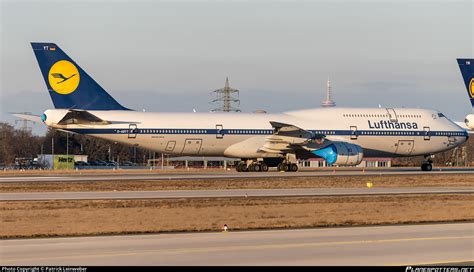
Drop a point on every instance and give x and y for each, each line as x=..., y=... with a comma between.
x=440, y=114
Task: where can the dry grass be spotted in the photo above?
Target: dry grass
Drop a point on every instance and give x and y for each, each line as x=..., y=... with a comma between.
x=94, y=217
x=385, y=181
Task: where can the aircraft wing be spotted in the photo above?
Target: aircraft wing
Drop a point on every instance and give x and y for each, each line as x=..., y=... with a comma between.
x=72, y=117
x=287, y=137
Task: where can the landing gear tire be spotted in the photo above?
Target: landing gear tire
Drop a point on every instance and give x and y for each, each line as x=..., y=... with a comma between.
x=257, y=168
x=287, y=167
x=264, y=167
x=426, y=167
x=241, y=167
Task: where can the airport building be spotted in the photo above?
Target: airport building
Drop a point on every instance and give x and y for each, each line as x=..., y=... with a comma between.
x=223, y=162
x=367, y=162
x=202, y=162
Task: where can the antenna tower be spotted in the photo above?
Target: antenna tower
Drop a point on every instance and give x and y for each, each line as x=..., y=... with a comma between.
x=328, y=102
x=24, y=122
x=226, y=97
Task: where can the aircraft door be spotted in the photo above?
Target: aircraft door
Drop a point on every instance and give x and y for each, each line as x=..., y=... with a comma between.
x=219, y=131
x=392, y=115
x=353, y=133
x=170, y=146
x=132, y=131
x=426, y=133
x=405, y=147
x=192, y=146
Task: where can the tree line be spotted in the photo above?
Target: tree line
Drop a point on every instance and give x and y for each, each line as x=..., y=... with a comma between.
x=20, y=143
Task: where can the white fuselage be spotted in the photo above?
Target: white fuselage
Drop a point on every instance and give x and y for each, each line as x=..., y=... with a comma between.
x=379, y=131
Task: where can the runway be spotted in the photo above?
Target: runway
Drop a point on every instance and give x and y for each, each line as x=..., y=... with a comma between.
x=124, y=175
x=231, y=193
x=382, y=245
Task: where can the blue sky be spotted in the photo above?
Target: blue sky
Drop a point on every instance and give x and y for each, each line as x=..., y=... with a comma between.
x=170, y=55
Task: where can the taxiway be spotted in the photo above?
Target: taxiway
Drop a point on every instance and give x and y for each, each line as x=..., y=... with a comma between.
x=231, y=193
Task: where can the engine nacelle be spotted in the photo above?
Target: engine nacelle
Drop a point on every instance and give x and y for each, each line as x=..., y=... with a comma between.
x=340, y=153
x=469, y=121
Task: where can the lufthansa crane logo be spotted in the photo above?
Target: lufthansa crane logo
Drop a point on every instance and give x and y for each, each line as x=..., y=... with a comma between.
x=471, y=88
x=63, y=77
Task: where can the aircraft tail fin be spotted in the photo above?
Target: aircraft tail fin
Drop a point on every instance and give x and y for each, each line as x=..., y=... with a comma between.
x=467, y=70
x=69, y=86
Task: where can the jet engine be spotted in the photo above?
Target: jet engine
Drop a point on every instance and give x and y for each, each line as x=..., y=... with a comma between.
x=341, y=153
x=469, y=121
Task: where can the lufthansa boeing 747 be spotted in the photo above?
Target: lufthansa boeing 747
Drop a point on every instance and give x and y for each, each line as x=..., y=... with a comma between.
x=341, y=136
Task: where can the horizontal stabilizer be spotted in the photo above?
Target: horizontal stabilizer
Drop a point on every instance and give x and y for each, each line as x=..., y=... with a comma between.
x=29, y=117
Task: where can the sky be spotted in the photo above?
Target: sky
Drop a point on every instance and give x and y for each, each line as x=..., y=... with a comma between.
x=170, y=55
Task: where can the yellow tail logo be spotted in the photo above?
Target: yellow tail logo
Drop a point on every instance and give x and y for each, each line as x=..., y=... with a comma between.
x=63, y=77
x=471, y=88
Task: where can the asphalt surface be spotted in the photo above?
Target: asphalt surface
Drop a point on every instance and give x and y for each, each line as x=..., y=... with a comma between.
x=381, y=245
x=230, y=193
x=125, y=175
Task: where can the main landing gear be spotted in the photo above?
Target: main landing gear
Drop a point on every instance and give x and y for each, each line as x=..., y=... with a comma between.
x=427, y=164
x=287, y=164
x=287, y=167
x=252, y=167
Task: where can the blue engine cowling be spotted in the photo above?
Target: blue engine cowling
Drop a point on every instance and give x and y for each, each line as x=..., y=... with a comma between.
x=340, y=153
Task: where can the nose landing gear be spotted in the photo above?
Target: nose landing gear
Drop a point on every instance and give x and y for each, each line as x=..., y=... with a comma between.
x=427, y=164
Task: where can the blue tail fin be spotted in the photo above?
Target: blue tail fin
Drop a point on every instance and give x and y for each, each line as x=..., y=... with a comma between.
x=467, y=71
x=70, y=87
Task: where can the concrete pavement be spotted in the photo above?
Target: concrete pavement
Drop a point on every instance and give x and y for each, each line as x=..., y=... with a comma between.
x=230, y=193
x=124, y=175
x=380, y=245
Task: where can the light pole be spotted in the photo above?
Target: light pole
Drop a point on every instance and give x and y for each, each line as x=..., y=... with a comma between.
x=67, y=150
x=135, y=154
